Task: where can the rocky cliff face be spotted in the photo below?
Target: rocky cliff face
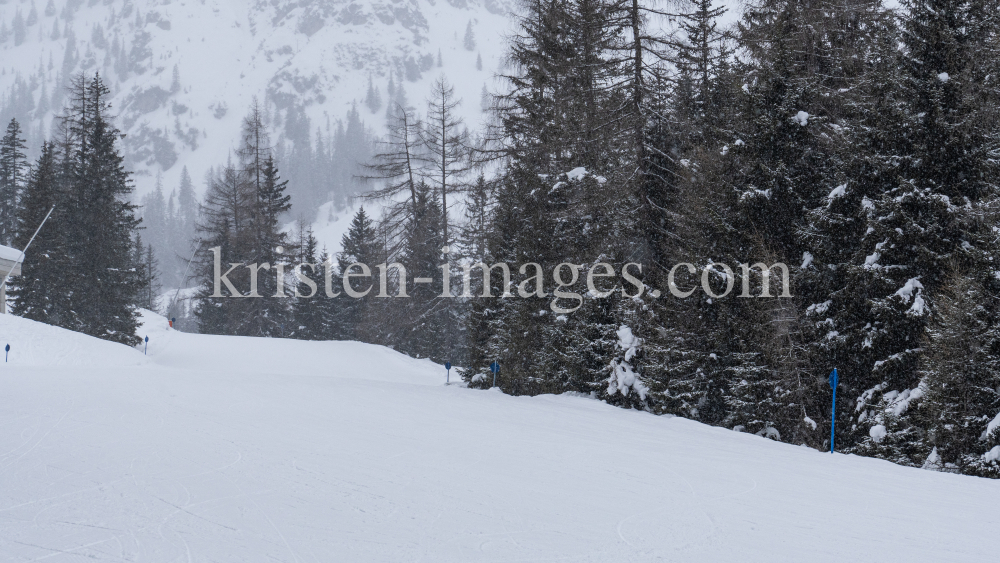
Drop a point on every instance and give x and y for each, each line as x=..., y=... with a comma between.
x=184, y=72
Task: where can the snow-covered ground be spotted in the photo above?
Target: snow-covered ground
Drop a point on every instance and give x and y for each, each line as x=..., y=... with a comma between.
x=240, y=449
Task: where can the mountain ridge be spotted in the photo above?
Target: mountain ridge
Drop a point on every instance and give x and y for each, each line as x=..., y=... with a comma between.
x=183, y=73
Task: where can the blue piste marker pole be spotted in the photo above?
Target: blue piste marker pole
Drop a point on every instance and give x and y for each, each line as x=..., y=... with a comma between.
x=144, y=348
x=495, y=367
x=6, y=352
x=833, y=413
x=447, y=377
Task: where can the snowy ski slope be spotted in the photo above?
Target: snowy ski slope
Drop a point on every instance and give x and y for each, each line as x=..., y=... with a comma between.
x=241, y=449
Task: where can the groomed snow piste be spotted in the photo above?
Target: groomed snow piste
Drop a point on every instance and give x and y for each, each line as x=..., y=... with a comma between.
x=243, y=449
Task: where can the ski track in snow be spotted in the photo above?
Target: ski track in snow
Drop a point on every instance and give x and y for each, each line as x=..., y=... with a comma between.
x=240, y=449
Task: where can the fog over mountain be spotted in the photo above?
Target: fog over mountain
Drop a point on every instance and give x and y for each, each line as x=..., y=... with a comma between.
x=184, y=72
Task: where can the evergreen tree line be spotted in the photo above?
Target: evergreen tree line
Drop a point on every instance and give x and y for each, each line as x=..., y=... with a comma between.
x=321, y=169
x=84, y=271
x=854, y=143
x=851, y=142
x=422, y=163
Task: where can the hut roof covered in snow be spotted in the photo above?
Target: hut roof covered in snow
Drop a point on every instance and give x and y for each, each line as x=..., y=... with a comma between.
x=10, y=258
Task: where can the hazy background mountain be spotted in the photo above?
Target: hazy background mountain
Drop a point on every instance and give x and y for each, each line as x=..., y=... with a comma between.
x=184, y=72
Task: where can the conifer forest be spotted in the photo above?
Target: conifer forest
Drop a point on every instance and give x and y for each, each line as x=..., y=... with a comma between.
x=854, y=142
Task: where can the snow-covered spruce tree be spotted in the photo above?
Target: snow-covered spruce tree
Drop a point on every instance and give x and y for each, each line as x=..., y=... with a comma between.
x=40, y=293
x=13, y=174
x=275, y=248
x=700, y=345
x=545, y=340
x=474, y=230
x=307, y=310
x=469, y=39
x=373, y=98
x=148, y=268
x=801, y=65
x=960, y=378
x=469, y=247
x=155, y=222
x=473, y=247
x=581, y=333
x=562, y=198
x=704, y=357
x=187, y=212
x=927, y=221
x=786, y=151
x=101, y=277
x=838, y=314
x=512, y=327
x=361, y=246
x=19, y=29
x=687, y=217
x=700, y=94
x=423, y=319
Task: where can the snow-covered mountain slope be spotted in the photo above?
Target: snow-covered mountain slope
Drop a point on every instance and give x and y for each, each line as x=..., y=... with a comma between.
x=310, y=55
x=242, y=449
